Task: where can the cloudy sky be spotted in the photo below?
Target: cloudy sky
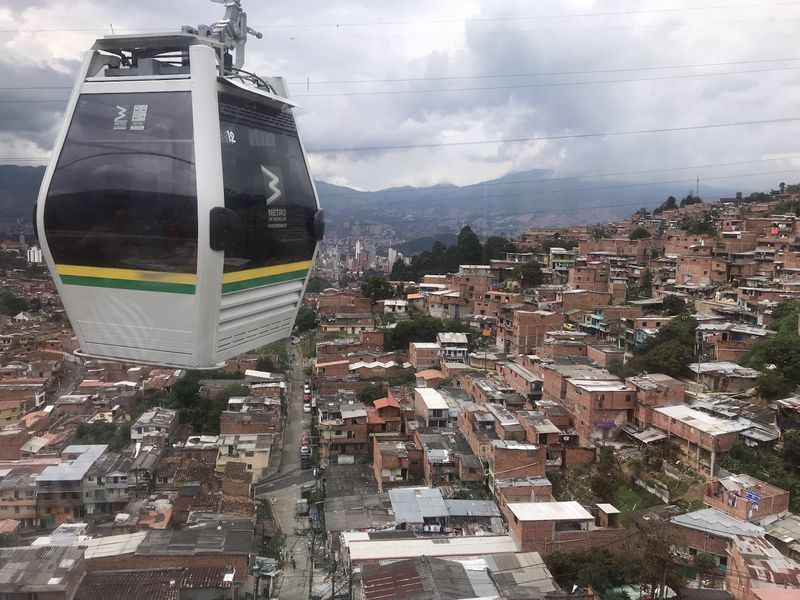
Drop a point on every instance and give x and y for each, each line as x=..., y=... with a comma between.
x=414, y=72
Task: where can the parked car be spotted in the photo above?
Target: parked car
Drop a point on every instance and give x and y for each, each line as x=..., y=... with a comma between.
x=306, y=408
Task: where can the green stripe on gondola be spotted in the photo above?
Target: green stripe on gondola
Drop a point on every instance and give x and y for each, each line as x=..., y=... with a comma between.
x=259, y=281
x=130, y=284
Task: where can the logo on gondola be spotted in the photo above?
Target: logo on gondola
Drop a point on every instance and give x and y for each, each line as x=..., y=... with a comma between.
x=272, y=182
x=121, y=120
x=131, y=118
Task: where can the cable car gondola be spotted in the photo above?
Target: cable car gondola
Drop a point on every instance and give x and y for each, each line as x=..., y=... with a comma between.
x=177, y=216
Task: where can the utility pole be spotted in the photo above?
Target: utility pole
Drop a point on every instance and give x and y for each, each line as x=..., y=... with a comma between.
x=697, y=187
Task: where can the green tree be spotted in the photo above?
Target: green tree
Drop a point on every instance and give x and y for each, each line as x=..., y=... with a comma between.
x=607, y=475
x=372, y=392
x=497, y=247
x=674, y=305
x=704, y=564
x=306, y=319
x=598, y=568
x=377, y=288
x=470, y=251
x=421, y=329
x=670, y=351
x=317, y=284
x=772, y=385
x=116, y=436
x=599, y=232
x=639, y=233
x=778, y=356
x=403, y=272
x=690, y=199
x=670, y=203
x=699, y=226
x=11, y=304
x=651, y=559
x=528, y=274
x=646, y=284
x=791, y=449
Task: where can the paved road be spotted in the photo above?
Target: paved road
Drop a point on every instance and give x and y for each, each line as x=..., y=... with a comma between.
x=283, y=491
x=283, y=479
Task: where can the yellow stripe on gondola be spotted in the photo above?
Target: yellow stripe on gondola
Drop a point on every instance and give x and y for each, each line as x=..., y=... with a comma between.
x=129, y=279
x=237, y=276
x=130, y=274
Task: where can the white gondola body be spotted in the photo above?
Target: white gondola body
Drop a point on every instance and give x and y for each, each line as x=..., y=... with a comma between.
x=125, y=215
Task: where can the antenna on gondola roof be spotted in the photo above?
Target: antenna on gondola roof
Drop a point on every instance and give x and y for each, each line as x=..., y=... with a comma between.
x=231, y=30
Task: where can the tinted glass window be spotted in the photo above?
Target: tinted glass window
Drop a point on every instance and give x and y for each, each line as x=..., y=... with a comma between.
x=123, y=193
x=267, y=184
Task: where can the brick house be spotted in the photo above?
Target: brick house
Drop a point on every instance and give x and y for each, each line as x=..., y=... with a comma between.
x=653, y=390
x=592, y=277
x=385, y=416
x=424, y=355
x=524, y=381
x=747, y=498
x=599, y=407
x=527, y=329
x=701, y=270
x=510, y=459
x=702, y=438
x=396, y=463
x=343, y=429
x=547, y=527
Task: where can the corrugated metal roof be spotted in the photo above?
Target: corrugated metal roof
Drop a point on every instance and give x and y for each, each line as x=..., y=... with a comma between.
x=716, y=522
x=414, y=505
x=472, y=508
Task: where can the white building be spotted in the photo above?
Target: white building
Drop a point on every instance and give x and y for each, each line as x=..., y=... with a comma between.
x=34, y=255
x=158, y=422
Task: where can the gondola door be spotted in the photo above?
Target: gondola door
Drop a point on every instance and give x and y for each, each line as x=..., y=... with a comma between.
x=270, y=196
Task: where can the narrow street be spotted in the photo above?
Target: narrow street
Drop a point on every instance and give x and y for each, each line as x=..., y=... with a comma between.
x=283, y=491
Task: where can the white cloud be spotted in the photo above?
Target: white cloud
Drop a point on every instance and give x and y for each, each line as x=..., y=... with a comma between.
x=474, y=38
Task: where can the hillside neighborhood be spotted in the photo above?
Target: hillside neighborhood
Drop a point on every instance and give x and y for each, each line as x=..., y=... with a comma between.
x=600, y=412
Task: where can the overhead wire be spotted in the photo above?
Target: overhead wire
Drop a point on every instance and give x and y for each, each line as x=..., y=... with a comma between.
x=568, y=136
x=309, y=81
x=444, y=20
x=545, y=84
x=17, y=100
x=511, y=18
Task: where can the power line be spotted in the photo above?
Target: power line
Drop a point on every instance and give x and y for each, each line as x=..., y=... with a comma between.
x=444, y=20
x=487, y=75
x=550, y=137
x=571, y=136
x=540, y=73
x=542, y=84
x=452, y=90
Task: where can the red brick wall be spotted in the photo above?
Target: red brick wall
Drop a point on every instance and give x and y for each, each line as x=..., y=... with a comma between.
x=602, y=359
x=509, y=463
x=231, y=422
x=578, y=456
x=585, y=300
x=10, y=444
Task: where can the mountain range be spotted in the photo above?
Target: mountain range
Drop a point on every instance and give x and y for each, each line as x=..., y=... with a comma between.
x=505, y=205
